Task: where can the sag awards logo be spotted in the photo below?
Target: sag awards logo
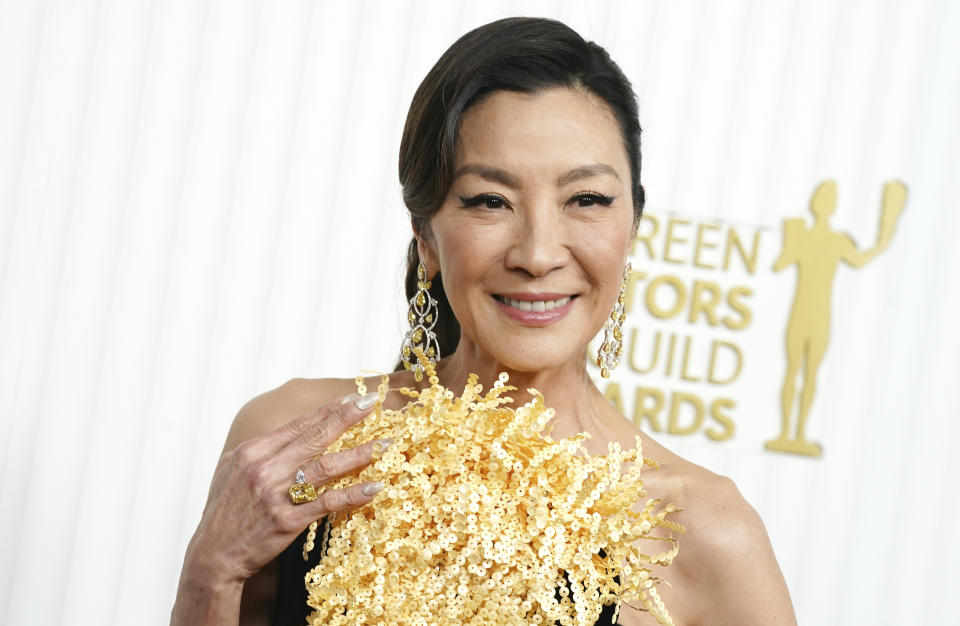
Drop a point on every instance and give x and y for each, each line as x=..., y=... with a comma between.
x=697, y=285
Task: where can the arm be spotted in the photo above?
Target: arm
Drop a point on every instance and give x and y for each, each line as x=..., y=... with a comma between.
x=792, y=232
x=854, y=257
x=783, y=260
x=894, y=199
x=204, y=595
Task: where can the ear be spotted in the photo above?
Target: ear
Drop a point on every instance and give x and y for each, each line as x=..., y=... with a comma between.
x=425, y=249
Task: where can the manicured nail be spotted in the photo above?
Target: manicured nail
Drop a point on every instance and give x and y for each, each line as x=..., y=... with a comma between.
x=371, y=488
x=350, y=398
x=365, y=402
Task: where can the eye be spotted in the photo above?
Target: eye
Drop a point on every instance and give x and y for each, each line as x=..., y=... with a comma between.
x=485, y=200
x=591, y=198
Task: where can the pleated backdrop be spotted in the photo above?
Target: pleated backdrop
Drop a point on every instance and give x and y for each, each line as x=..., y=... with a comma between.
x=199, y=201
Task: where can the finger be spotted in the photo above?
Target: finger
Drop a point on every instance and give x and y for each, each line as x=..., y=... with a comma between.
x=346, y=499
x=309, y=435
x=330, y=466
x=332, y=501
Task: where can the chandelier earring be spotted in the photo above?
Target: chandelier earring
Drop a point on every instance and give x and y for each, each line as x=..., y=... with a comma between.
x=611, y=350
x=422, y=317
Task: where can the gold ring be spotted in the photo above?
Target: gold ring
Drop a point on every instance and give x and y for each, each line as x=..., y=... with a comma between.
x=302, y=491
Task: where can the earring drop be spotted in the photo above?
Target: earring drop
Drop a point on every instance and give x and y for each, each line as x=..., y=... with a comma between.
x=422, y=317
x=611, y=351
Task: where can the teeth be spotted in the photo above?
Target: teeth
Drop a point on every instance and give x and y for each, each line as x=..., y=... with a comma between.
x=536, y=305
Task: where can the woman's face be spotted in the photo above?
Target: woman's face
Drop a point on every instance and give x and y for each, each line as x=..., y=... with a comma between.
x=532, y=238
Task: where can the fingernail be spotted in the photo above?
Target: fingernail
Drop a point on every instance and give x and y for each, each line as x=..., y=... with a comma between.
x=365, y=402
x=371, y=488
x=350, y=398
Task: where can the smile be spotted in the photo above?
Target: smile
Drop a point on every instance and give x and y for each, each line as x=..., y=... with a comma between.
x=535, y=309
x=534, y=305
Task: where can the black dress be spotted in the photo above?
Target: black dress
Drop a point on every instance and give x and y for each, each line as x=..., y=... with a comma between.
x=291, y=606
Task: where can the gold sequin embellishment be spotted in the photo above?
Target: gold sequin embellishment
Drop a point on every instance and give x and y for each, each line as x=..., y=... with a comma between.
x=484, y=518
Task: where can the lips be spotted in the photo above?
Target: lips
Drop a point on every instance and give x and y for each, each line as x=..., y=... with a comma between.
x=535, y=309
x=538, y=306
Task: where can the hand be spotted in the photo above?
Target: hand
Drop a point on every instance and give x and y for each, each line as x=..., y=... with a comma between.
x=249, y=518
x=894, y=199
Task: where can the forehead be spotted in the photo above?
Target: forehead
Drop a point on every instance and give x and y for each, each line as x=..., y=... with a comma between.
x=550, y=128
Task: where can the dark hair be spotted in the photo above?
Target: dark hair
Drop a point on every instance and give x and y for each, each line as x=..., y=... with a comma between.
x=522, y=54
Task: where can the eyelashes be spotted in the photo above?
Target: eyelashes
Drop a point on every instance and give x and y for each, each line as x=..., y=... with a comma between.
x=489, y=201
x=493, y=201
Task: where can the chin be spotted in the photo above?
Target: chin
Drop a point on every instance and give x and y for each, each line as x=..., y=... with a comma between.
x=523, y=357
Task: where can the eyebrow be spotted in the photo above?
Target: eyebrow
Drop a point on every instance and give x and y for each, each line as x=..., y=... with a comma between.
x=498, y=175
x=586, y=171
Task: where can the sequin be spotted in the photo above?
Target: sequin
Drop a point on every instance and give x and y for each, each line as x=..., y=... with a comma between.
x=481, y=513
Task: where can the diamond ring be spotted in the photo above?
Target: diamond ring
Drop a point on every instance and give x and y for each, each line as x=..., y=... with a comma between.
x=302, y=491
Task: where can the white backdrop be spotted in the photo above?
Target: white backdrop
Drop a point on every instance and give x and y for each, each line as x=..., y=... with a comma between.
x=183, y=186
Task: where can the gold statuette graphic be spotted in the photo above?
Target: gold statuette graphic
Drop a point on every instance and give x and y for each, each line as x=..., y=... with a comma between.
x=817, y=251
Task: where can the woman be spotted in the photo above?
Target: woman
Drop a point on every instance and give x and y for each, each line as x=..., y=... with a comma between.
x=520, y=166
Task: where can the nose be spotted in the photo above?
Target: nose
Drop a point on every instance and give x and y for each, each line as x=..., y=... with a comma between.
x=538, y=243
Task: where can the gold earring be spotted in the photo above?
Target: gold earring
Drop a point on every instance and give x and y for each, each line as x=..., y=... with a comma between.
x=422, y=317
x=611, y=351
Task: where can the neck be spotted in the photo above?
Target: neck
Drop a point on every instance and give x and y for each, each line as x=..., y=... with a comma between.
x=567, y=389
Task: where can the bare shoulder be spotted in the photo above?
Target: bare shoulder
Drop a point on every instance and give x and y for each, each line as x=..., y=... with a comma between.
x=273, y=408
x=726, y=563
x=719, y=521
x=301, y=396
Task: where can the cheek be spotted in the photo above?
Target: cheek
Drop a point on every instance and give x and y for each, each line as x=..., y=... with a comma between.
x=468, y=250
x=603, y=248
